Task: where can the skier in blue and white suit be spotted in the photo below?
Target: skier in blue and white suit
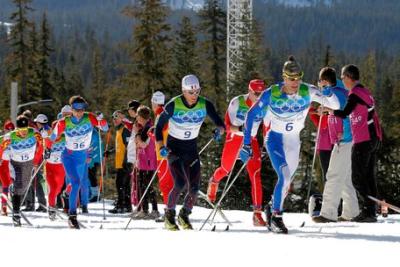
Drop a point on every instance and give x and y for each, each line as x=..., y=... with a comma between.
x=288, y=105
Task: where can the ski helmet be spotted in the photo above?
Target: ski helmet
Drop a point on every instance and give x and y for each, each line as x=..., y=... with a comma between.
x=41, y=118
x=257, y=86
x=8, y=126
x=190, y=82
x=158, y=98
x=292, y=69
x=22, y=121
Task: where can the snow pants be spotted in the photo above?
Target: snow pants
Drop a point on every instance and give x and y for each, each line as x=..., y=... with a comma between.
x=55, y=176
x=339, y=185
x=284, y=152
x=165, y=181
x=233, y=144
x=5, y=178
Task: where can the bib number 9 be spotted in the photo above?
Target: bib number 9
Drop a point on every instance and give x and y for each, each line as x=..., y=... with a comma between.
x=187, y=134
x=78, y=145
x=289, y=126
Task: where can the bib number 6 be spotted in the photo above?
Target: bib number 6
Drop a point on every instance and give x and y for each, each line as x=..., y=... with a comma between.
x=289, y=126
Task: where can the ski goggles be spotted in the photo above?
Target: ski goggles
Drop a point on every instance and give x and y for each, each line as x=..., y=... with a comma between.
x=293, y=77
x=193, y=92
x=79, y=106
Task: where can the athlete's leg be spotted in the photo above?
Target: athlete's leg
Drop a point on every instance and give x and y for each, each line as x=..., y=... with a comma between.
x=254, y=169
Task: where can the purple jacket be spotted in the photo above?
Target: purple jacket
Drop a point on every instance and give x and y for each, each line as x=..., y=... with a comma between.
x=146, y=157
x=359, y=116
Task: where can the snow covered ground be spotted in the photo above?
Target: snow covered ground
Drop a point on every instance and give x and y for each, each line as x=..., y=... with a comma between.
x=146, y=243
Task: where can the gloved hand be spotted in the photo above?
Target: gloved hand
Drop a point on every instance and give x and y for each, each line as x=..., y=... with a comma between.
x=100, y=116
x=245, y=153
x=217, y=135
x=164, y=152
x=327, y=91
x=47, y=153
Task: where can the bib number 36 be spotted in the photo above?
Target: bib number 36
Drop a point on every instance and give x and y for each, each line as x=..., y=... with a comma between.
x=78, y=145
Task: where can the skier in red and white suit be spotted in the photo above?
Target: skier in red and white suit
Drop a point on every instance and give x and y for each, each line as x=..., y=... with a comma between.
x=234, y=120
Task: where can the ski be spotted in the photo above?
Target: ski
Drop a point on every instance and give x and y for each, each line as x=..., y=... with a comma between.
x=203, y=196
x=9, y=205
x=384, y=203
x=63, y=216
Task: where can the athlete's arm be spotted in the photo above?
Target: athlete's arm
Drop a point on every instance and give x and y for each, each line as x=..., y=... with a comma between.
x=330, y=101
x=101, y=124
x=58, y=130
x=163, y=120
x=255, y=110
x=212, y=113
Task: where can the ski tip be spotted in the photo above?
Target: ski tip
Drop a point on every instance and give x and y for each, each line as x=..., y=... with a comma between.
x=304, y=223
x=213, y=229
x=227, y=228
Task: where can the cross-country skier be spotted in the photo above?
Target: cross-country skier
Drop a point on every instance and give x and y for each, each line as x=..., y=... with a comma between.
x=78, y=133
x=288, y=104
x=234, y=120
x=185, y=114
x=5, y=176
x=55, y=172
x=367, y=136
x=25, y=154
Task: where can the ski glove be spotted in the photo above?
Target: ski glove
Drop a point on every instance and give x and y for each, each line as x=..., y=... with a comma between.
x=217, y=135
x=327, y=91
x=47, y=153
x=164, y=152
x=245, y=153
x=100, y=116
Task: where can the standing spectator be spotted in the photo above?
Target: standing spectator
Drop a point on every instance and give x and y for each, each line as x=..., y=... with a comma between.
x=367, y=136
x=122, y=181
x=338, y=185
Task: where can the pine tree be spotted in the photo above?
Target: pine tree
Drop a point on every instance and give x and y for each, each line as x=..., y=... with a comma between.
x=185, y=51
x=17, y=61
x=33, y=68
x=213, y=26
x=46, y=88
x=98, y=87
x=150, y=54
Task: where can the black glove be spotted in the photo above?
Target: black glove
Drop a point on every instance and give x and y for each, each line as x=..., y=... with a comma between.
x=47, y=153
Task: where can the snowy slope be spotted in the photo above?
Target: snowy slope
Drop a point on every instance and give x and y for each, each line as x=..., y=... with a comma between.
x=146, y=243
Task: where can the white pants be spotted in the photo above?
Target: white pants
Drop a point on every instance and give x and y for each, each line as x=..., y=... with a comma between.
x=339, y=185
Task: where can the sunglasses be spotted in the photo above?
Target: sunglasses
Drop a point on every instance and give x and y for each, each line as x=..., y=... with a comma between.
x=193, y=92
x=79, y=110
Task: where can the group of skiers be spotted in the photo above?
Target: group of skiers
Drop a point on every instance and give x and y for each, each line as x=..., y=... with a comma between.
x=348, y=131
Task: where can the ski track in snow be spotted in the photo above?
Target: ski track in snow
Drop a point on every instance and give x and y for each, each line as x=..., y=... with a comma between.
x=146, y=243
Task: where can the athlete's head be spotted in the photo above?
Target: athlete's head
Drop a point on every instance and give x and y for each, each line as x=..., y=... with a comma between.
x=292, y=75
x=191, y=88
x=350, y=76
x=256, y=87
x=22, y=123
x=327, y=77
x=79, y=105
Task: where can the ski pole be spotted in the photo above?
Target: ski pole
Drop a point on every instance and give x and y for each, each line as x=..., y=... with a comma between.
x=101, y=186
x=202, y=195
x=145, y=192
x=315, y=150
x=31, y=180
x=201, y=151
x=223, y=196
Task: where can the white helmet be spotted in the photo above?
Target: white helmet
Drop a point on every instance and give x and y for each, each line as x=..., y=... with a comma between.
x=158, y=98
x=190, y=82
x=41, y=118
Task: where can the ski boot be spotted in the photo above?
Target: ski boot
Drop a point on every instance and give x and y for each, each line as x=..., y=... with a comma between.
x=16, y=219
x=3, y=209
x=268, y=215
x=73, y=222
x=52, y=214
x=258, y=219
x=277, y=225
x=170, y=223
x=183, y=219
x=85, y=209
x=212, y=190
